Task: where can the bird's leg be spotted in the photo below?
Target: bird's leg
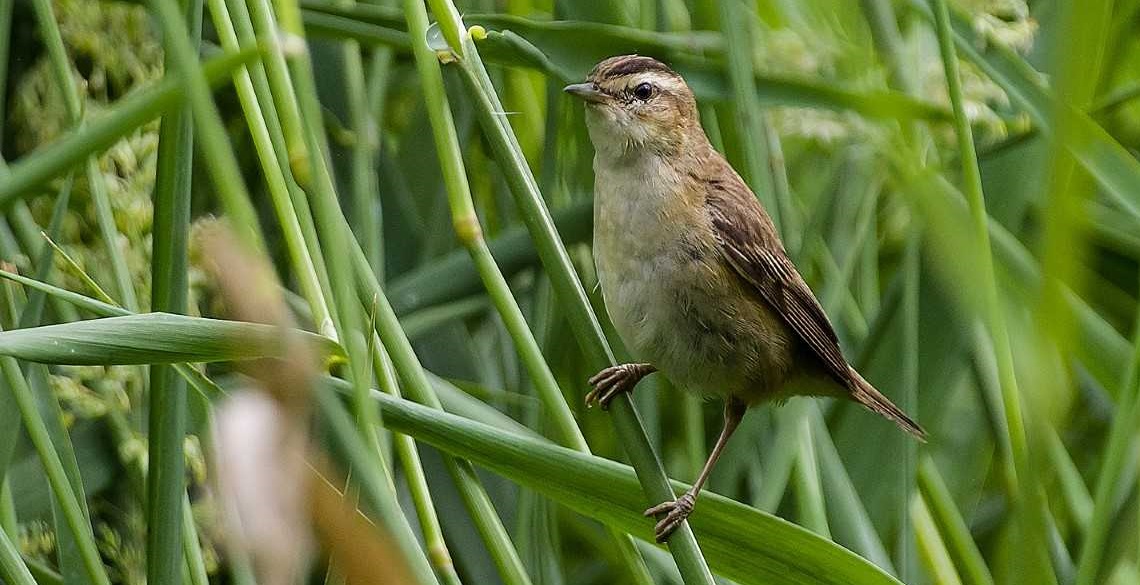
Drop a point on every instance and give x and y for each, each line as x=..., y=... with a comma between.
x=678, y=510
x=614, y=380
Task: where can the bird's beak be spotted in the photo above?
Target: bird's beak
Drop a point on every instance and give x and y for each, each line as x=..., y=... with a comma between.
x=586, y=91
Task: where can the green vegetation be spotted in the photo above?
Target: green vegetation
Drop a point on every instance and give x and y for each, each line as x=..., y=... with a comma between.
x=956, y=179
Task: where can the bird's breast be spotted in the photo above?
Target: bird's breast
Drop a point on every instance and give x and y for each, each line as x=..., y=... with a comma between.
x=672, y=298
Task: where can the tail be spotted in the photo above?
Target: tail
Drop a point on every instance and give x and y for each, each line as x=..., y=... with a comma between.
x=864, y=393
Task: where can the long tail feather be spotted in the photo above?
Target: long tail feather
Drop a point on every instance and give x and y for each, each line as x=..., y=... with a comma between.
x=864, y=393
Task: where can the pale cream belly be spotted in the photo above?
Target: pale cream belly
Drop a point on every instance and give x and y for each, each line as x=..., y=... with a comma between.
x=678, y=306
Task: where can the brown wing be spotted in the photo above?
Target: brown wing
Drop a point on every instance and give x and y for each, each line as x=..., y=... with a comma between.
x=749, y=242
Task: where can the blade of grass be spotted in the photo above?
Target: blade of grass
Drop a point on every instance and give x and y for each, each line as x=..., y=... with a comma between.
x=848, y=518
x=333, y=225
x=65, y=495
x=1074, y=492
x=122, y=341
x=364, y=184
x=214, y=146
x=12, y=567
x=931, y=546
x=812, y=512
x=416, y=478
x=264, y=129
x=1121, y=437
x=61, y=67
x=744, y=544
x=376, y=485
x=68, y=551
x=951, y=526
x=453, y=276
x=1024, y=496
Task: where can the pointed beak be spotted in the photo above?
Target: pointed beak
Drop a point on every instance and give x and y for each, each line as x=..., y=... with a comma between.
x=586, y=91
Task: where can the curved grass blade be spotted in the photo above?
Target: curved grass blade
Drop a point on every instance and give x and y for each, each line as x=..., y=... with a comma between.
x=740, y=543
x=150, y=338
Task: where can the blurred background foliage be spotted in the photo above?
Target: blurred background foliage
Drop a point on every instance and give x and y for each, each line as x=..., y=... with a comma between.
x=837, y=113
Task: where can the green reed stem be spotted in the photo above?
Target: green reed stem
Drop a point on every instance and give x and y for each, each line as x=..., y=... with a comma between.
x=214, y=145
x=165, y=481
x=12, y=567
x=61, y=486
x=72, y=99
x=1025, y=496
x=277, y=183
x=952, y=526
x=332, y=222
x=972, y=187
x=415, y=476
x=374, y=480
x=1121, y=437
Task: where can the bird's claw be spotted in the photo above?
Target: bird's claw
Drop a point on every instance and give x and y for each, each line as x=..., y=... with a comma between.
x=613, y=381
x=675, y=512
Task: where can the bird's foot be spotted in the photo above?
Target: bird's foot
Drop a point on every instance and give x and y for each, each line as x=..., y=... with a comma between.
x=675, y=513
x=614, y=380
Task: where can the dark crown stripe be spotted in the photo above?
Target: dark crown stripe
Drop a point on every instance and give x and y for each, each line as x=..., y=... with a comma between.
x=627, y=65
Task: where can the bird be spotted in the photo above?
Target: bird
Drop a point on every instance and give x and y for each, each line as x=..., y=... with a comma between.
x=692, y=270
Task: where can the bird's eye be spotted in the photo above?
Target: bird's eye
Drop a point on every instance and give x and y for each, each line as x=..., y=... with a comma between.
x=643, y=91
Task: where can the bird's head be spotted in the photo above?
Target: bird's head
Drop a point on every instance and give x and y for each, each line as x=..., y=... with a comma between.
x=636, y=103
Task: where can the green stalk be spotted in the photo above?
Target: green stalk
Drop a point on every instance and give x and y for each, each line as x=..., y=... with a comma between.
x=811, y=509
x=470, y=235
x=376, y=93
x=165, y=485
x=1024, y=495
x=217, y=154
x=1121, y=437
x=580, y=315
x=374, y=480
x=415, y=477
x=738, y=27
x=365, y=131
x=951, y=525
x=333, y=225
x=327, y=214
x=12, y=567
x=930, y=544
x=415, y=381
x=850, y=525
x=276, y=182
x=191, y=548
x=1074, y=492
x=71, y=563
x=61, y=487
x=61, y=67
x=972, y=188
x=284, y=95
